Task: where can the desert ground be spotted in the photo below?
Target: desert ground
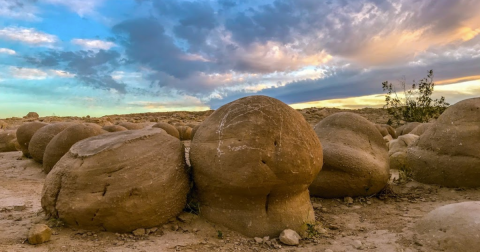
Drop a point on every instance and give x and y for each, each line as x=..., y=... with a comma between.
x=381, y=222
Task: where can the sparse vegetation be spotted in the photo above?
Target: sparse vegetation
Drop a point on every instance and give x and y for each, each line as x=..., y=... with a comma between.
x=416, y=105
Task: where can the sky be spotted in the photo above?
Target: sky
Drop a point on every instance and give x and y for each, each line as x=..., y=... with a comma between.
x=101, y=57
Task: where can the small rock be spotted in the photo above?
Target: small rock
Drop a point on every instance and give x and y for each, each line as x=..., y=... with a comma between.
x=266, y=238
x=175, y=227
x=39, y=233
x=151, y=230
x=186, y=217
x=348, y=200
x=357, y=244
x=317, y=205
x=19, y=208
x=324, y=210
x=290, y=237
x=258, y=240
x=139, y=232
x=328, y=250
x=320, y=230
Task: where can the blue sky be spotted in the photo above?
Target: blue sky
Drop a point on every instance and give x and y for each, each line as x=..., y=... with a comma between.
x=97, y=57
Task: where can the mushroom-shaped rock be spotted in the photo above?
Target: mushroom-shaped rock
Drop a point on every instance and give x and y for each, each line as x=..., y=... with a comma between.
x=61, y=143
x=185, y=132
x=398, y=151
x=42, y=137
x=420, y=129
x=253, y=160
x=114, y=128
x=119, y=181
x=355, y=157
x=454, y=227
x=448, y=153
x=31, y=115
x=406, y=128
x=25, y=133
x=132, y=126
x=7, y=141
x=170, y=129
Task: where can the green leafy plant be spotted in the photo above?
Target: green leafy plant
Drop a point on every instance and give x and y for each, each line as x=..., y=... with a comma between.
x=416, y=105
x=219, y=234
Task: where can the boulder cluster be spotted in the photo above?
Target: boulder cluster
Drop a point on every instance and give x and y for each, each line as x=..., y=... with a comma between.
x=253, y=165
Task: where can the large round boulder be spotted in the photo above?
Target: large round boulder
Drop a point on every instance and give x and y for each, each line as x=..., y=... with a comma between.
x=355, y=157
x=8, y=140
x=61, y=143
x=25, y=133
x=447, y=153
x=119, y=182
x=454, y=227
x=170, y=129
x=42, y=137
x=253, y=160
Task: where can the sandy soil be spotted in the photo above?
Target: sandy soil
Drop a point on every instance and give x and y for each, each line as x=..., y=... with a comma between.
x=380, y=223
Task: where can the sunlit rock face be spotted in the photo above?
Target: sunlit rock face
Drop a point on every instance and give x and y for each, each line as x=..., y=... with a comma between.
x=253, y=160
x=447, y=153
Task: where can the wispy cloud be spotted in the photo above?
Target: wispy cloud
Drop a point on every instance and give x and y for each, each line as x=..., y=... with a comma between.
x=28, y=35
x=81, y=7
x=90, y=44
x=7, y=51
x=36, y=74
x=19, y=9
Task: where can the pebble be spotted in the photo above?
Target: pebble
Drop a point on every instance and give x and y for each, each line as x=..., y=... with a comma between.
x=357, y=244
x=258, y=240
x=139, y=232
x=290, y=237
x=348, y=200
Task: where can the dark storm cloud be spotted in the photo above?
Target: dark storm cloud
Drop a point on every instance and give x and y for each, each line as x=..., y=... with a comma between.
x=146, y=43
x=355, y=81
x=91, y=68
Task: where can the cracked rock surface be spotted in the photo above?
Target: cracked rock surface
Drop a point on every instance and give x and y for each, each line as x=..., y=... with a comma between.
x=253, y=160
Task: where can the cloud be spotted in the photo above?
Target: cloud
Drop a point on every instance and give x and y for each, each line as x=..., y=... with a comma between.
x=89, y=44
x=27, y=73
x=7, y=51
x=81, y=7
x=28, y=35
x=19, y=9
x=91, y=68
x=36, y=74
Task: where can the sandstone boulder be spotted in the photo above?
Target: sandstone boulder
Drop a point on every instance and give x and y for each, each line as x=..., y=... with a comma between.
x=114, y=128
x=382, y=130
x=454, y=227
x=42, y=137
x=398, y=151
x=25, y=133
x=170, y=129
x=253, y=160
x=31, y=115
x=420, y=129
x=406, y=128
x=355, y=157
x=185, y=132
x=8, y=140
x=119, y=182
x=61, y=143
x=3, y=125
x=447, y=153
x=132, y=126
